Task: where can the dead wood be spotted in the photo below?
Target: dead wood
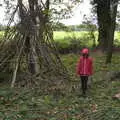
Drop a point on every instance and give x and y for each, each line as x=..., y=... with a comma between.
x=30, y=48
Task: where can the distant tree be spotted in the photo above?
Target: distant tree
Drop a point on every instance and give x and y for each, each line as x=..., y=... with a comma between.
x=60, y=27
x=91, y=27
x=2, y=27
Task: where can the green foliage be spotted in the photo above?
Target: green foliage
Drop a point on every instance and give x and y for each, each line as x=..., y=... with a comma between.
x=1, y=34
x=81, y=27
x=67, y=41
x=59, y=27
x=117, y=39
x=72, y=41
x=108, y=113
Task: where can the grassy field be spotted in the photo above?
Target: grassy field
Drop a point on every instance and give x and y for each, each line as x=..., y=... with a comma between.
x=61, y=35
x=65, y=37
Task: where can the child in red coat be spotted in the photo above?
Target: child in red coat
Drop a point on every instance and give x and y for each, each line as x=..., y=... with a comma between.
x=84, y=68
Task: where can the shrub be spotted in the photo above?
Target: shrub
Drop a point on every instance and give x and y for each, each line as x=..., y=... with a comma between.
x=73, y=44
x=116, y=43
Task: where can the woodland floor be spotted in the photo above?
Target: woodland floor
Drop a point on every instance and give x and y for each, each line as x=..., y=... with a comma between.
x=24, y=104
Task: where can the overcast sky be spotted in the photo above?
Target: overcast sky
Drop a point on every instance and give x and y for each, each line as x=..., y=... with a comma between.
x=1, y=12
x=83, y=8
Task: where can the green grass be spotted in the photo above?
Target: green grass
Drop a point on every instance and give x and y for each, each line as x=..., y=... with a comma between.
x=61, y=35
x=117, y=35
x=32, y=104
x=1, y=34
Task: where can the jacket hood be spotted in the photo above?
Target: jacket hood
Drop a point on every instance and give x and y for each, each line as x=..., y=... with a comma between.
x=85, y=51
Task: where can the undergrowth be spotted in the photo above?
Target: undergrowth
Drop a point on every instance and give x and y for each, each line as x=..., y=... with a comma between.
x=33, y=104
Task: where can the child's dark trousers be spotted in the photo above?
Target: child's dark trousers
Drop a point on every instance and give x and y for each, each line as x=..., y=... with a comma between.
x=84, y=80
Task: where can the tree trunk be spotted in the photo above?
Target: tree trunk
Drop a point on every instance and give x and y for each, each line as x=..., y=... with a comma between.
x=106, y=12
x=111, y=31
x=33, y=66
x=103, y=9
x=32, y=58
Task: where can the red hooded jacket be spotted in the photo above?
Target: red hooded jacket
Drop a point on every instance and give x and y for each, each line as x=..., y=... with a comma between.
x=84, y=66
